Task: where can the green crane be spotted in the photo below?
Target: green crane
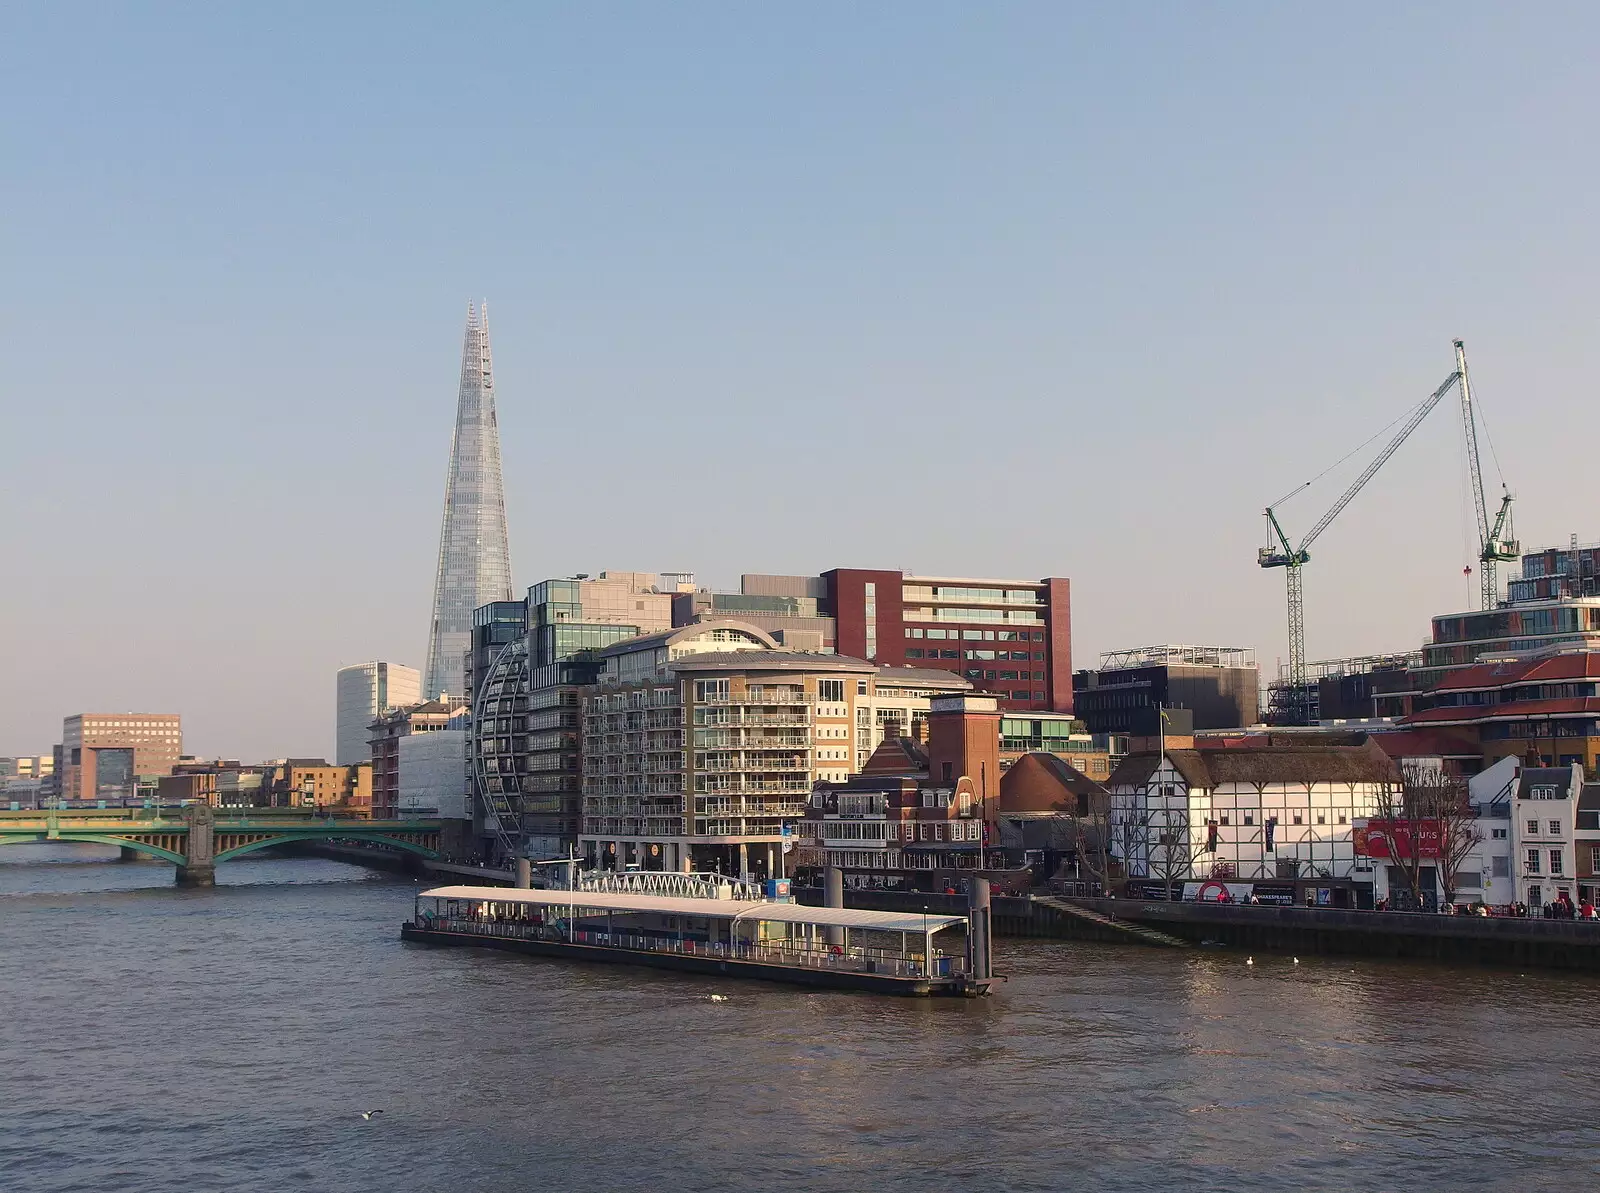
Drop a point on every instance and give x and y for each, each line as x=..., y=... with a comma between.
x=1496, y=543
x=1280, y=554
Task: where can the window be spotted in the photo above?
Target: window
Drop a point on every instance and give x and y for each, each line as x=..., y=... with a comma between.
x=1533, y=828
x=1533, y=861
x=1498, y=834
x=1249, y=818
x=946, y=768
x=1297, y=818
x=861, y=687
x=830, y=691
x=1223, y=820
x=710, y=689
x=1594, y=858
x=1321, y=819
x=1341, y=817
x=1500, y=867
x=1555, y=861
x=1555, y=828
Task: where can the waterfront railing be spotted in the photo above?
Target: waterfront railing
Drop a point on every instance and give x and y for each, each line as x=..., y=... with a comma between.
x=855, y=959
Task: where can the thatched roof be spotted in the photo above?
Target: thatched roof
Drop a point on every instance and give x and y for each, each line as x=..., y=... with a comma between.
x=1135, y=769
x=1265, y=764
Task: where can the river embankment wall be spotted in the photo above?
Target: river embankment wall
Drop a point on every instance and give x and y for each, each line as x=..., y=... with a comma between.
x=1477, y=940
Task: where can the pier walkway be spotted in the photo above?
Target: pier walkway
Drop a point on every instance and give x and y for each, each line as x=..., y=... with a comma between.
x=1138, y=933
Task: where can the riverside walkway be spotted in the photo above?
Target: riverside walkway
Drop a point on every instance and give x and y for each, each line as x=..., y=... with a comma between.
x=196, y=837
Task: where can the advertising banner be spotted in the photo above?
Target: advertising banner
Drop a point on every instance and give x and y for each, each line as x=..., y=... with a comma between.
x=1396, y=839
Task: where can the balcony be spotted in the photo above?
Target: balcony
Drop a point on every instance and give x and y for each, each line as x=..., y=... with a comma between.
x=762, y=765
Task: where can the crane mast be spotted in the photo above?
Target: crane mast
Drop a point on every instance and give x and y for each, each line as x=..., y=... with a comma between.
x=1494, y=541
x=1279, y=552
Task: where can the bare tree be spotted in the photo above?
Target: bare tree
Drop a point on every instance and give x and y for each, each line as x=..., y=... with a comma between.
x=1438, y=798
x=1432, y=815
x=1172, y=851
x=1095, y=839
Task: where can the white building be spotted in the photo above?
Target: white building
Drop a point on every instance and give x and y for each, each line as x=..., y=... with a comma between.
x=1543, y=836
x=1486, y=873
x=364, y=692
x=431, y=769
x=1250, y=812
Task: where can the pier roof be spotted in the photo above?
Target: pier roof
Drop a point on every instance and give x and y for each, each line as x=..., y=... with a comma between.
x=719, y=909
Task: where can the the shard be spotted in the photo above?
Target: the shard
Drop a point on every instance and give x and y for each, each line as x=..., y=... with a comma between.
x=474, y=558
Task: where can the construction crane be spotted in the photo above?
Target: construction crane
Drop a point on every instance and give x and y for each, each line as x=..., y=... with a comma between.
x=1495, y=541
x=1279, y=554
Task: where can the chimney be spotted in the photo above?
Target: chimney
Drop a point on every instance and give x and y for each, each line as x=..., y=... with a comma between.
x=964, y=739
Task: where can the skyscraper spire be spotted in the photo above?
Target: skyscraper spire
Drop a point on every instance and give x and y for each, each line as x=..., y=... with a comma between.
x=474, y=558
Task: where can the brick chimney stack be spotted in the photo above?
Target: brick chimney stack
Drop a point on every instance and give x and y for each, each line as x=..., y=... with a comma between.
x=964, y=739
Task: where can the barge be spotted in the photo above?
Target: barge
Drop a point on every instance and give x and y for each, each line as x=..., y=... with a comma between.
x=847, y=948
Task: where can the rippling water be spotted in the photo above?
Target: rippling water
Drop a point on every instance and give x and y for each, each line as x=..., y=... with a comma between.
x=156, y=1039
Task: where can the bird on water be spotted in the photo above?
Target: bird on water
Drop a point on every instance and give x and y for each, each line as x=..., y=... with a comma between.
x=370, y=1114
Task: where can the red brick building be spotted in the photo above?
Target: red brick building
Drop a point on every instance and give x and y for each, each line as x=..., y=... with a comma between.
x=1011, y=638
x=916, y=817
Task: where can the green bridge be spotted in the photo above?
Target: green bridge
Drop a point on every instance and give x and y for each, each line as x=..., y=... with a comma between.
x=196, y=837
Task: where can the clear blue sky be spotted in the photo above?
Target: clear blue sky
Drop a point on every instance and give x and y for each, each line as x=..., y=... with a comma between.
x=1013, y=289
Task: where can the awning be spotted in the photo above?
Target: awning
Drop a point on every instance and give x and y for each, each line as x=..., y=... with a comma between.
x=716, y=909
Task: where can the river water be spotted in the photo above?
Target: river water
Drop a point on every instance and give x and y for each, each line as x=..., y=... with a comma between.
x=157, y=1039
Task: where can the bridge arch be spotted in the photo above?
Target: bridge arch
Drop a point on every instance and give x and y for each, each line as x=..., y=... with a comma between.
x=372, y=838
x=71, y=838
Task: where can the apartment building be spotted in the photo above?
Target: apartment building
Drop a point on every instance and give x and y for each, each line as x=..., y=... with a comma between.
x=103, y=755
x=702, y=743
x=1011, y=638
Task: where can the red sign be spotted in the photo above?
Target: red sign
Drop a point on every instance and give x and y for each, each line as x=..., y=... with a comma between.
x=1400, y=840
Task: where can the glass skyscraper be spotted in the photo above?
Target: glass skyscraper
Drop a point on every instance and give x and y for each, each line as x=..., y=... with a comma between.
x=474, y=558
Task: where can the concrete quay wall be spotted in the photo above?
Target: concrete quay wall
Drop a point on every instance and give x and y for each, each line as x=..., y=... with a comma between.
x=1539, y=944
x=1480, y=940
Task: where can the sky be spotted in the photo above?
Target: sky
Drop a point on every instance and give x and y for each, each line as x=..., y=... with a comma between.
x=993, y=290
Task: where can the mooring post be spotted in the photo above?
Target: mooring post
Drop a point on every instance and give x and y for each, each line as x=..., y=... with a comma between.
x=833, y=896
x=980, y=928
x=524, y=874
x=199, y=867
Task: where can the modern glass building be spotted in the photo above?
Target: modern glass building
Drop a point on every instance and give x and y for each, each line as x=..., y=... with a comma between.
x=363, y=693
x=474, y=556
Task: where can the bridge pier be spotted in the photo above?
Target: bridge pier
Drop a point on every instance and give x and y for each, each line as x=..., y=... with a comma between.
x=199, y=868
x=127, y=853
